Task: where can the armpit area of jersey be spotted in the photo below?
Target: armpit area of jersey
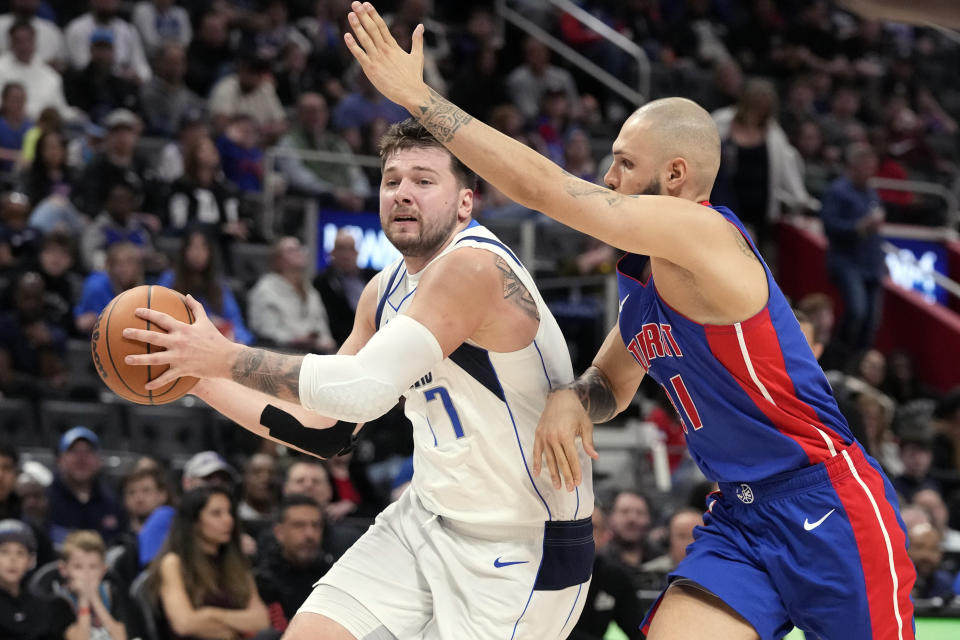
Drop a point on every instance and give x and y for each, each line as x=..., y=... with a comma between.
x=326, y=443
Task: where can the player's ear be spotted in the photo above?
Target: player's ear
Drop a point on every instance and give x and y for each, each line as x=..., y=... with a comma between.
x=465, y=204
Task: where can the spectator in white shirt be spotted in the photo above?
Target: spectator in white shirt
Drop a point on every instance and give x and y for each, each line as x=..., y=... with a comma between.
x=21, y=64
x=162, y=22
x=250, y=92
x=282, y=306
x=527, y=83
x=51, y=47
x=130, y=60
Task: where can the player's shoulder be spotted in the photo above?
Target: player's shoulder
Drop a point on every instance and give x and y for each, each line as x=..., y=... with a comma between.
x=465, y=264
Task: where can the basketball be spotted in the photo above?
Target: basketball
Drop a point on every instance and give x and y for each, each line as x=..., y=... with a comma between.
x=109, y=347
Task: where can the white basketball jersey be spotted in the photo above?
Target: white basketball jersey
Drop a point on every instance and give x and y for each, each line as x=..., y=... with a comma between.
x=474, y=415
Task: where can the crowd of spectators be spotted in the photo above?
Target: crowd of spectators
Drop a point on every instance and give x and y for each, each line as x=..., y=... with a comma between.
x=133, y=139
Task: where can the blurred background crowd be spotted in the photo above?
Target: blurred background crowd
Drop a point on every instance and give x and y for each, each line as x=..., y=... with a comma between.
x=180, y=143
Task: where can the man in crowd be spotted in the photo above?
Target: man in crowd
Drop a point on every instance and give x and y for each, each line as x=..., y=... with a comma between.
x=23, y=64
x=682, y=524
x=629, y=523
x=287, y=571
x=79, y=499
x=341, y=284
x=165, y=98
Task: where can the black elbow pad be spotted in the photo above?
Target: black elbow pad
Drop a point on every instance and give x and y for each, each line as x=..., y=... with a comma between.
x=326, y=443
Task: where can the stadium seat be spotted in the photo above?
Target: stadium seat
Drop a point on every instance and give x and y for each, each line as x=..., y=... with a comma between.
x=84, y=381
x=144, y=620
x=41, y=582
x=169, y=430
x=250, y=261
x=106, y=420
x=18, y=423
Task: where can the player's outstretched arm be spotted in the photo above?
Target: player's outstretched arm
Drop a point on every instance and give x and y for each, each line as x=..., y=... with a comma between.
x=601, y=392
x=660, y=226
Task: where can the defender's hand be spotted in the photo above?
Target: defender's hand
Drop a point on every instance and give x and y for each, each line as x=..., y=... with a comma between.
x=398, y=75
x=198, y=350
x=562, y=420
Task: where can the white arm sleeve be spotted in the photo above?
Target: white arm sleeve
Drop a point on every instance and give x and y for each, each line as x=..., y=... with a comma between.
x=365, y=386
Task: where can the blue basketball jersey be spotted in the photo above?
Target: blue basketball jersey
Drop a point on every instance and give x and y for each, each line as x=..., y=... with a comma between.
x=753, y=400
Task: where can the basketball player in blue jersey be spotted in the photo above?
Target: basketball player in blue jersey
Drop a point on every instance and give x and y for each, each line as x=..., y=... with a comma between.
x=476, y=547
x=804, y=530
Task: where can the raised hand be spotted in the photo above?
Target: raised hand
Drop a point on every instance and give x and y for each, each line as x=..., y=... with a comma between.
x=398, y=75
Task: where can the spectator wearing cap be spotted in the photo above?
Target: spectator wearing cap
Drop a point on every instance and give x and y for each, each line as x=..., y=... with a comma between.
x=97, y=88
x=31, y=489
x=339, y=184
x=160, y=22
x=23, y=616
x=165, y=98
x=19, y=242
x=129, y=61
x=119, y=162
x=287, y=571
x=528, y=83
x=79, y=499
x=51, y=47
x=208, y=468
x=11, y=502
x=204, y=469
x=22, y=64
x=248, y=91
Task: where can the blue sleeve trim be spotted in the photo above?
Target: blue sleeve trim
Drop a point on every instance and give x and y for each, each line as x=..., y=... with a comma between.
x=494, y=243
x=386, y=294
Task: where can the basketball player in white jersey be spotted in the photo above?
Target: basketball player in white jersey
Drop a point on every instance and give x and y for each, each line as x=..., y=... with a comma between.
x=477, y=547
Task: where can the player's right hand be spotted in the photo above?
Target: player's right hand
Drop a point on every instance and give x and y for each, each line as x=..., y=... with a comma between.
x=562, y=421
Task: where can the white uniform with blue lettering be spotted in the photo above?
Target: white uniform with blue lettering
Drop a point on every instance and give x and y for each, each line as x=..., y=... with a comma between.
x=476, y=547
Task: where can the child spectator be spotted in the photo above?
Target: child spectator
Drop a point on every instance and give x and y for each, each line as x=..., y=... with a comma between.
x=87, y=607
x=23, y=616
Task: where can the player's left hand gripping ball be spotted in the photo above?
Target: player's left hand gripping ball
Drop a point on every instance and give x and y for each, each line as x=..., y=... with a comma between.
x=197, y=349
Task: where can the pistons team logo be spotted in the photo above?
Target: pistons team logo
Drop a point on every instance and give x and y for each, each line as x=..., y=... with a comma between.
x=745, y=493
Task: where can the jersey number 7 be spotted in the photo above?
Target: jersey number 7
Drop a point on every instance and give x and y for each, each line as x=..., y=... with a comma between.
x=444, y=397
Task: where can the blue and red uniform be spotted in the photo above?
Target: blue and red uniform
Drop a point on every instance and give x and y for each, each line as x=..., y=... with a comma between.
x=805, y=529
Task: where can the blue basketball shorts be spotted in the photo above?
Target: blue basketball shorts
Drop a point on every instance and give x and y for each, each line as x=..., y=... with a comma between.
x=822, y=549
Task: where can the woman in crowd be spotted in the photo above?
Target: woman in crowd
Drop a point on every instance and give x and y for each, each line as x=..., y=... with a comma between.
x=201, y=580
x=198, y=272
x=47, y=182
x=201, y=196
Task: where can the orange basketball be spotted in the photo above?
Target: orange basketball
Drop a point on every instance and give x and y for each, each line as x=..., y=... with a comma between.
x=109, y=347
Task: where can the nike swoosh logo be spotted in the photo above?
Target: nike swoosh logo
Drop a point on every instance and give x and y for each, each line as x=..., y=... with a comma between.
x=810, y=526
x=499, y=564
x=624, y=300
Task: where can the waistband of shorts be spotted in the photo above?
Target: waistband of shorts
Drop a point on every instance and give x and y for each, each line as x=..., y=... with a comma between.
x=793, y=482
x=556, y=531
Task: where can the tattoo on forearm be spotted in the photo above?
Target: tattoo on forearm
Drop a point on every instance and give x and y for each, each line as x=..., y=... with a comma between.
x=272, y=373
x=515, y=291
x=595, y=394
x=578, y=188
x=442, y=118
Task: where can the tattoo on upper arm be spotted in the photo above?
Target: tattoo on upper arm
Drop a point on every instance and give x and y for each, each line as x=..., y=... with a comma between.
x=515, y=291
x=442, y=118
x=275, y=374
x=595, y=395
x=742, y=243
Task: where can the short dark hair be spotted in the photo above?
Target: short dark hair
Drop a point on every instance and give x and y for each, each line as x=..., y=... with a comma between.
x=141, y=474
x=296, y=500
x=410, y=134
x=20, y=24
x=7, y=450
